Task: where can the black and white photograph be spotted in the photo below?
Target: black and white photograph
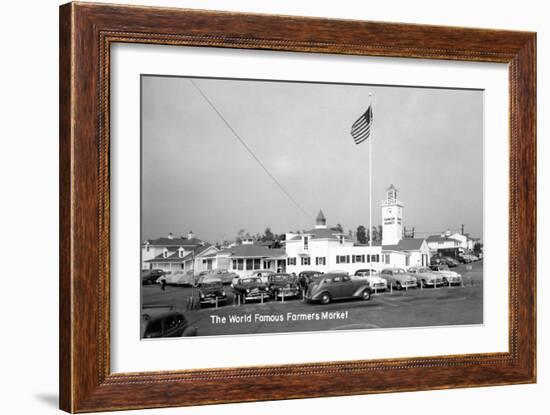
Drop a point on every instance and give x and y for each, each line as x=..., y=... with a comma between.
x=276, y=206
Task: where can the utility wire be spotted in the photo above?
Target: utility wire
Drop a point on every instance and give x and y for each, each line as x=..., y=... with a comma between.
x=250, y=150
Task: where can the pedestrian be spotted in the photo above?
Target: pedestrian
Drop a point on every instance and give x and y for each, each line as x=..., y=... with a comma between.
x=163, y=284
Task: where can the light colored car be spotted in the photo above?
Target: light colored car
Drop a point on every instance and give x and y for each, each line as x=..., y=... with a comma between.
x=376, y=282
x=449, y=277
x=425, y=277
x=178, y=278
x=398, y=278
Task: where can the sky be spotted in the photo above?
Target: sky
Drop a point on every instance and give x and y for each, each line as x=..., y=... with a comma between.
x=196, y=175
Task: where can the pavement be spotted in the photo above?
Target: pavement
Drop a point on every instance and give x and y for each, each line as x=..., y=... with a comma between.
x=456, y=305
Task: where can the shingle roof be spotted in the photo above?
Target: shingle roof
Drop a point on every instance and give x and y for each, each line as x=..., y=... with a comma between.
x=439, y=238
x=320, y=234
x=175, y=241
x=174, y=255
x=407, y=244
x=252, y=250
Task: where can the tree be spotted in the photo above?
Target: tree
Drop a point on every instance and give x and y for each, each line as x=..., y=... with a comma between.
x=361, y=234
x=380, y=235
x=374, y=233
x=239, y=238
x=268, y=235
x=477, y=247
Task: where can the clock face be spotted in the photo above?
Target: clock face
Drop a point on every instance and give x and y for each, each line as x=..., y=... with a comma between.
x=390, y=210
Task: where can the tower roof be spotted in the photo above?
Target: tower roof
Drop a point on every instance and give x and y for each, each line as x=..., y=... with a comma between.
x=321, y=217
x=392, y=187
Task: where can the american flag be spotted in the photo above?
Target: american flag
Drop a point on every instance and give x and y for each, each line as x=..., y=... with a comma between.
x=360, y=130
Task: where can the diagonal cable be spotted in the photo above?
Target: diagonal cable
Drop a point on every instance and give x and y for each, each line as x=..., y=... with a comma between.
x=250, y=150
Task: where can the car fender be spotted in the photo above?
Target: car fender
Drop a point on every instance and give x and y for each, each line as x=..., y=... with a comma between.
x=359, y=291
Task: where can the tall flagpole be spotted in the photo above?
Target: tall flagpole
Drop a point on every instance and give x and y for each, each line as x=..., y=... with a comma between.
x=370, y=181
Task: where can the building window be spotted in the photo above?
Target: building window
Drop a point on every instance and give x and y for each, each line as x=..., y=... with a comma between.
x=257, y=263
x=182, y=266
x=306, y=260
x=387, y=258
x=341, y=238
x=358, y=258
x=238, y=264
x=320, y=260
x=147, y=248
x=407, y=260
x=249, y=264
x=291, y=261
x=342, y=259
x=306, y=243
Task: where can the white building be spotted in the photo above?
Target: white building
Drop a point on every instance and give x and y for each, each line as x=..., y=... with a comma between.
x=178, y=254
x=324, y=249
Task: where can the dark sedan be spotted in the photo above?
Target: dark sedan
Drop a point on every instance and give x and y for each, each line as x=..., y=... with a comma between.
x=250, y=288
x=163, y=321
x=337, y=287
x=283, y=286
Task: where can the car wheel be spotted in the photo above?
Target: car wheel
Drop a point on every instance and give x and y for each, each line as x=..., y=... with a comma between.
x=365, y=295
x=325, y=298
x=398, y=286
x=445, y=281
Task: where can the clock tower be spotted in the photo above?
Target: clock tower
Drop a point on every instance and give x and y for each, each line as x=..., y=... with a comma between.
x=392, y=218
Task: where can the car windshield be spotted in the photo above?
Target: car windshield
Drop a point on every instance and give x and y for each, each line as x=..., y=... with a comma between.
x=251, y=281
x=424, y=270
x=399, y=271
x=367, y=272
x=211, y=284
x=279, y=278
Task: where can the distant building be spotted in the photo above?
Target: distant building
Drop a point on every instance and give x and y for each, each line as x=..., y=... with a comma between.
x=178, y=254
x=248, y=258
x=325, y=249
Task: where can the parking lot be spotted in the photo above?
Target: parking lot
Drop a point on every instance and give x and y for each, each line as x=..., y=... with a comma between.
x=456, y=305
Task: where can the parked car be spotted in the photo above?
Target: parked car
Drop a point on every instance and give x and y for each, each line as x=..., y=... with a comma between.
x=425, y=277
x=337, y=287
x=224, y=275
x=211, y=291
x=307, y=277
x=398, y=278
x=283, y=286
x=250, y=288
x=163, y=321
x=376, y=282
x=451, y=262
x=151, y=276
x=448, y=276
x=178, y=278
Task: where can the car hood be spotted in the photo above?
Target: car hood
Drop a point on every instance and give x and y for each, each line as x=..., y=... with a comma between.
x=211, y=290
x=374, y=279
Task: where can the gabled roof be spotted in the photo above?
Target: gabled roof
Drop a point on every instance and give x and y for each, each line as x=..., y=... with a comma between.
x=175, y=242
x=320, y=234
x=407, y=244
x=174, y=254
x=252, y=251
x=174, y=257
x=439, y=238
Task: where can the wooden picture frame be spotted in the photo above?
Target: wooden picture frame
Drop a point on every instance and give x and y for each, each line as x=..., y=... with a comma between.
x=86, y=33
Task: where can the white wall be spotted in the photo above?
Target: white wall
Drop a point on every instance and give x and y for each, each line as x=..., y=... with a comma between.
x=29, y=177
